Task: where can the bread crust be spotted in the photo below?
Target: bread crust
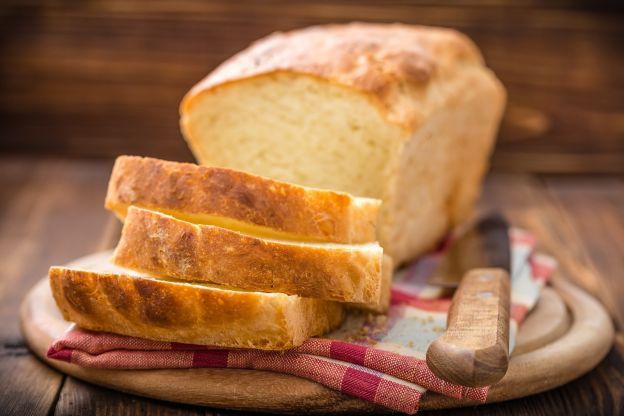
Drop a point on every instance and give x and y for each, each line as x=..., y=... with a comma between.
x=161, y=245
x=281, y=210
x=194, y=314
x=392, y=63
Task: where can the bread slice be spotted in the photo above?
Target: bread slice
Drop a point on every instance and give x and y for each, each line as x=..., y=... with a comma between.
x=162, y=245
x=244, y=202
x=406, y=114
x=123, y=303
x=381, y=307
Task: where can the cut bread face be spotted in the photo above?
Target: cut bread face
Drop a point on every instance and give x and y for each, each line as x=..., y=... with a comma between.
x=310, y=131
x=405, y=114
x=240, y=201
x=123, y=302
x=387, y=274
x=164, y=246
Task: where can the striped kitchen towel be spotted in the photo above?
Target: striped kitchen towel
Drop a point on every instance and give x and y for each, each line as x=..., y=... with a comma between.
x=380, y=359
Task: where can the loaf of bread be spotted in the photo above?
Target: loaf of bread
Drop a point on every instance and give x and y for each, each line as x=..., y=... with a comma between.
x=240, y=201
x=405, y=114
x=164, y=246
x=127, y=304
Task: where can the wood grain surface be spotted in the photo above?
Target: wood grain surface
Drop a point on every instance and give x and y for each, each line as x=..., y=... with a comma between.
x=103, y=77
x=550, y=325
x=51, y=212
x=550, y=364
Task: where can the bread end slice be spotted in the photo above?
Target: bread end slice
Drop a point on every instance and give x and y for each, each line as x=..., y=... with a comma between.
x=189, y=313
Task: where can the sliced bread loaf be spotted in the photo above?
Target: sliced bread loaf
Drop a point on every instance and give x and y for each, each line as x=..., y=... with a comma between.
x=240, y=201
x=124, y=303
x=406, y=114
x=164, y=246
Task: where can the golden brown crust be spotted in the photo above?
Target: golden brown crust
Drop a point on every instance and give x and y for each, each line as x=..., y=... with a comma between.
x=161, y=245
x=391, y=62
x=283, y=210
x=179, y=312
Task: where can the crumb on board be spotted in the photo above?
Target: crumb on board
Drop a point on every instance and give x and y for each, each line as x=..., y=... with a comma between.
x=438, y=328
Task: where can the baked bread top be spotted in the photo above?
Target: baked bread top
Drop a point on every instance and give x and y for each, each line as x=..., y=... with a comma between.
x=391, y=62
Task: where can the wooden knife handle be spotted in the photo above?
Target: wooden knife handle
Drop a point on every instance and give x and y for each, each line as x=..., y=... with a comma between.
x=474, y=351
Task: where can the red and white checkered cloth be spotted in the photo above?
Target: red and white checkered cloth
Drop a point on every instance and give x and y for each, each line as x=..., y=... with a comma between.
x=378, y=359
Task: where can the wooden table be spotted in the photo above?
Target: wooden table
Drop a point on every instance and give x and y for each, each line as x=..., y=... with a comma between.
x=51, y=211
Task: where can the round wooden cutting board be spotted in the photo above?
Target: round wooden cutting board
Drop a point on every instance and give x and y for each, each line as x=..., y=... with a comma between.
x=566, y=335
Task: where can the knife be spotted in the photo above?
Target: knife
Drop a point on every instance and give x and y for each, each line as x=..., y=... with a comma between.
x=474, y=350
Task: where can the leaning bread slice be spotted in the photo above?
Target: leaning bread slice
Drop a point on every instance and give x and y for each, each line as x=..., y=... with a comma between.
x=164, y=246
x=240, y=201
x=161, y=310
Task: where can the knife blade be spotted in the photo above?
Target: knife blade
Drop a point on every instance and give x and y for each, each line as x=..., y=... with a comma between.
x=485, y=244
x=474, y=350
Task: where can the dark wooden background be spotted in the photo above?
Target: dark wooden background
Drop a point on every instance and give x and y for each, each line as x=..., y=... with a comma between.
x=99, y=78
